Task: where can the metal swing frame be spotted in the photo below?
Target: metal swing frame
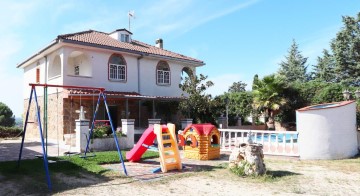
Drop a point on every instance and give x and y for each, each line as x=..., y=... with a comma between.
x=102, y=96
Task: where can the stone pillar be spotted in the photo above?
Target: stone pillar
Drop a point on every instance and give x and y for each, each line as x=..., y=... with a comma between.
x=128, y=129
x=222, y=121
x=82, y=130
x=186, y=122
x=153, y=121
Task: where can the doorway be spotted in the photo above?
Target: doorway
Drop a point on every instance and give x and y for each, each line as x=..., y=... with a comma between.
x=113, y=114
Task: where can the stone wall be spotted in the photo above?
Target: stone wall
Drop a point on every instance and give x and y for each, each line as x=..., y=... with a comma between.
x=55, y=117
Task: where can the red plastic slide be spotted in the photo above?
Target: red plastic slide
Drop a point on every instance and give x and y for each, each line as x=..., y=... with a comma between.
x=147, y=138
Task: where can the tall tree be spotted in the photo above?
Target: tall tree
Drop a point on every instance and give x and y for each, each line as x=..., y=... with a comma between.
x=7, y=119
x=293, y=68
x=268, y=96
x=324, y=70
x=197, y=104
x=346, y=50
x=237, y=87
x=255, y=81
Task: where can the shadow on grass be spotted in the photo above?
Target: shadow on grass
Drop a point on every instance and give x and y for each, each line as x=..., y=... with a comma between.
x=281, y=173
x=66, y=173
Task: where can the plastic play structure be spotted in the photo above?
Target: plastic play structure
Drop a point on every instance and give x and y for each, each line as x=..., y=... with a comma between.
x=200, y=141
x=167, y=146
x=101, y=96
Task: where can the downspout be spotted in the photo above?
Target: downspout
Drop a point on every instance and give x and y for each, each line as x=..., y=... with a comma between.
x=138, y=69
x=45, y=107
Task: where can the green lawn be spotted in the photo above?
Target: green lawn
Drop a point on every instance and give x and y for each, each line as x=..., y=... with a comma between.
x=31, y=173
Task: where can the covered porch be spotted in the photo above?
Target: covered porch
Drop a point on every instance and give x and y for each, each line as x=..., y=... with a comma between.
x=123, y=105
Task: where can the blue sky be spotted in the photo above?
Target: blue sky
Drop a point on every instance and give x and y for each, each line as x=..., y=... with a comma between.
x=236, y=39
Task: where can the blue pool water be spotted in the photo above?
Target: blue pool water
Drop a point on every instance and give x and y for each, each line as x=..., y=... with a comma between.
x=280, y=138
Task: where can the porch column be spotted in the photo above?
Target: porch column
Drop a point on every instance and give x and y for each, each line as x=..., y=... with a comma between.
x=222, y=121
x=238, y=121
x=128, y=129
x=186, y=122
x=153, y=109
x=126, y=108
x=82, y=130
x=153, y=121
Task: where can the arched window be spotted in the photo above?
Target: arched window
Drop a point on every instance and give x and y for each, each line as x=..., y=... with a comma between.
x=186, y=72
x=117, y=68
x=163, y=73
x=55, y=67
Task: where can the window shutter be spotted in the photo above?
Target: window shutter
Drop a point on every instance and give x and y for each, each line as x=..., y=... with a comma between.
x=37, y=75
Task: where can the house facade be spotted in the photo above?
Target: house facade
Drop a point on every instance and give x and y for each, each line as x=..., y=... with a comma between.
x=141, y=80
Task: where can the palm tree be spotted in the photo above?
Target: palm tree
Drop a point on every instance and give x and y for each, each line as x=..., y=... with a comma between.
x=268, y=98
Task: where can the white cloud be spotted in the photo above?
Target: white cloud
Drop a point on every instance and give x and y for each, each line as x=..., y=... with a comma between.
x=178, y=17
x=223, y=82
x=9, y=45
x=63, y=8
x=11, y=87
x=14, y=13
x=313, y=46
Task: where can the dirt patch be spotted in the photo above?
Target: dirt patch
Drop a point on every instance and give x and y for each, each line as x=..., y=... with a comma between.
x=285, y=177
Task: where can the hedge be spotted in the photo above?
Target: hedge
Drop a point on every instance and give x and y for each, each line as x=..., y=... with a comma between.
x=9, y=131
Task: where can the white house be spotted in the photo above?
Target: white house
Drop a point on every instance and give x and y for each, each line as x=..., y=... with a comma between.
x=141, y=80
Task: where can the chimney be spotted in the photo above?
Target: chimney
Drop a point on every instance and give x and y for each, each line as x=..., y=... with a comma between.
x=159, y=43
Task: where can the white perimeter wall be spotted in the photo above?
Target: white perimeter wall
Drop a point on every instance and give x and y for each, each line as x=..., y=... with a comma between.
x=327, y=133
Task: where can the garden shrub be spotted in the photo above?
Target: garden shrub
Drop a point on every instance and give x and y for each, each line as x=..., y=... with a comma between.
x=9, y=131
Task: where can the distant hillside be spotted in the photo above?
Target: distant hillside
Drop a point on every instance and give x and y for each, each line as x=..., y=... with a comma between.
x=18, y=122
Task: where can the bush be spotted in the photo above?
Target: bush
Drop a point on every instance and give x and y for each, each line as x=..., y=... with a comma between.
x=7, y=118
x=9, y=131
x=104, y=130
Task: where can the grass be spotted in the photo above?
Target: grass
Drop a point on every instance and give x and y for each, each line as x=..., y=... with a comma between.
x=30, y=175
x=67, y=164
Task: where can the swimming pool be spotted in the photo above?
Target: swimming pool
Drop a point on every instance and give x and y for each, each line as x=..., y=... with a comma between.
x=280, y=137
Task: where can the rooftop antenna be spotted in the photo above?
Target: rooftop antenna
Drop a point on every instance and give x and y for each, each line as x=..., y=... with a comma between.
x=131, y=14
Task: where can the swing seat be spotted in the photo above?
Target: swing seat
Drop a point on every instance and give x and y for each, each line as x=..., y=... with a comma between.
x=70, y=153
x=84, y=157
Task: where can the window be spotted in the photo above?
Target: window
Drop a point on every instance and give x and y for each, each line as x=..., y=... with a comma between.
x=37, y=75
x=77, y=70
x=117, y=68
x=124, y=38
x=163, y=73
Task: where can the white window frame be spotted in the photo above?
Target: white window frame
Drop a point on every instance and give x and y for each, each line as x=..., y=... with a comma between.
x=163, y=77
x=117, y=72
x=125, y=38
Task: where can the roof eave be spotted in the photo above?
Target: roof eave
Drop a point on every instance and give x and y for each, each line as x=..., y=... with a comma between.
x=22, y=64
x=195, y=63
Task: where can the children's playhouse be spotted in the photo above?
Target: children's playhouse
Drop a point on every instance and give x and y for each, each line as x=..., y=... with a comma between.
x=200, y=141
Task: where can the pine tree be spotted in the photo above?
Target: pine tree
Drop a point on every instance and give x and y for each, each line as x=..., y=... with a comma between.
x=324, y=70
x=346, y=50
x=237, y=87
x=294, y=68
x=255, y=81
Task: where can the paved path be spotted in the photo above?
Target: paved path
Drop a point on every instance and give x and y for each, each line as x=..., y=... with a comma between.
x=10, y=148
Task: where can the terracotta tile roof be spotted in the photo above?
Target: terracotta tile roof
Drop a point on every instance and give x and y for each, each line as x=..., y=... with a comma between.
x=99, y=39
x=117, y=94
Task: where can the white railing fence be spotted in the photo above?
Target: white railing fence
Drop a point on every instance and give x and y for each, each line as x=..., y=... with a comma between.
x=283, y=143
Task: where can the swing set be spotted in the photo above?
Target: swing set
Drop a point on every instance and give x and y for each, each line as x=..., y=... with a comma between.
x=101, y=96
